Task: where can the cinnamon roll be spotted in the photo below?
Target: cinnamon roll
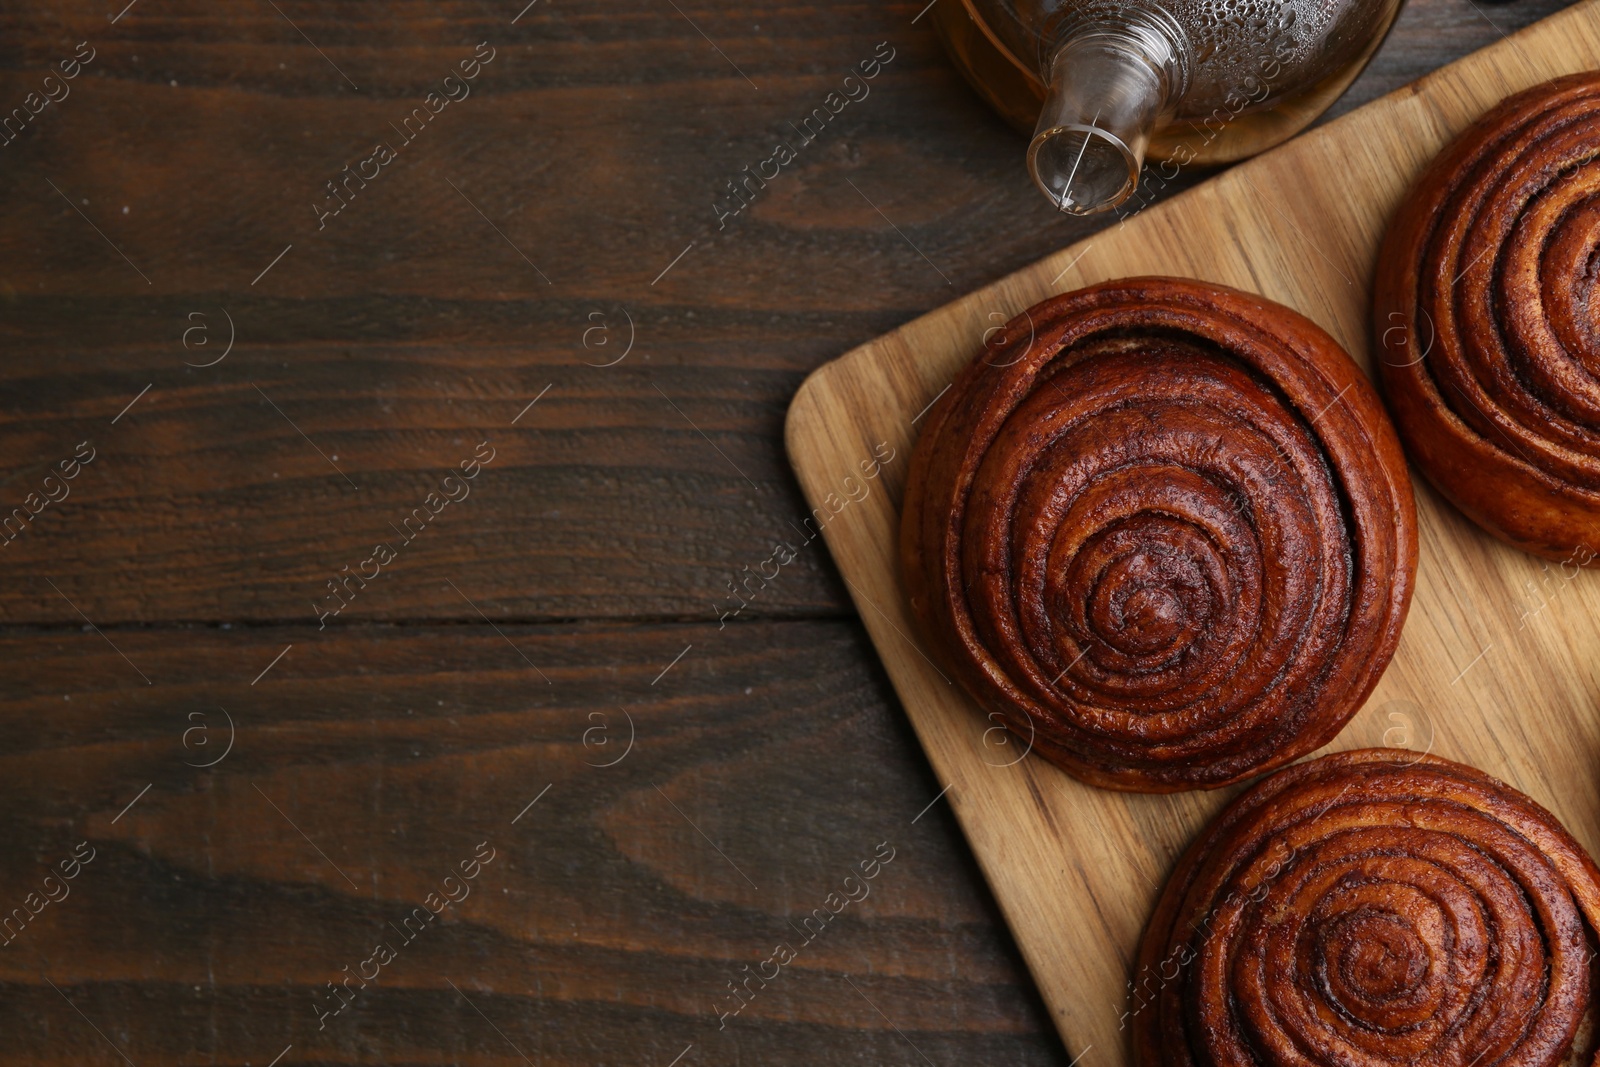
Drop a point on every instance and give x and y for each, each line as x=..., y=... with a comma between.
x=1486, y=322
x=1162, y=530
x=1372, y=908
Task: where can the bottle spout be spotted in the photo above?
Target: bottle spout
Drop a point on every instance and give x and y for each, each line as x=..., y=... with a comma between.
x=1108, y=89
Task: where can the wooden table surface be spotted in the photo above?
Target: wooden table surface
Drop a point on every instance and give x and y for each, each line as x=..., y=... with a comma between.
x=527, y=783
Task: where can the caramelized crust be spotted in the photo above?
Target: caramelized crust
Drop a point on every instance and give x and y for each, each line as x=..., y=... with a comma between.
x=1486, y=326
x=1163, y=529
x=1372, y=908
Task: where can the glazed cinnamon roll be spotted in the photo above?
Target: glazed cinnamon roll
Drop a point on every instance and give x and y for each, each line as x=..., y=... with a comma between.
x=1486, y=320
x=1372, y=908
x=1163, y=531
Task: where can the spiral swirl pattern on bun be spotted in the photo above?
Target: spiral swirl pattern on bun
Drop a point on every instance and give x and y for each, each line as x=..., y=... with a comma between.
x=1162, y=529
x=1373, y=908
x=1487, y=326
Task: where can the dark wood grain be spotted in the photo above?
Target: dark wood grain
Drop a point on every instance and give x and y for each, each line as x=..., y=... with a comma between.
x=368, y=361
x=766, y=764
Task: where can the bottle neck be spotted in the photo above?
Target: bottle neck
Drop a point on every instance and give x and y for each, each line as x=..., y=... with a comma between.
x=1110, y=83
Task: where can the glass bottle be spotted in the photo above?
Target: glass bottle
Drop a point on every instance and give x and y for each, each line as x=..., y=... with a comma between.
x=1104, y=84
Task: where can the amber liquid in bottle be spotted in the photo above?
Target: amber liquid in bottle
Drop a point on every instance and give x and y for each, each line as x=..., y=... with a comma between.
x=1195, y=82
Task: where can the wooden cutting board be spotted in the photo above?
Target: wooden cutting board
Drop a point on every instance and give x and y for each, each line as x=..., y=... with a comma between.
x=1499, y=665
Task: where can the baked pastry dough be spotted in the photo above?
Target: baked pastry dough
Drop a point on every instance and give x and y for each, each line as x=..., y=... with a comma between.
x=1164, y=530
x=1372, y=908
x=1486, y=320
